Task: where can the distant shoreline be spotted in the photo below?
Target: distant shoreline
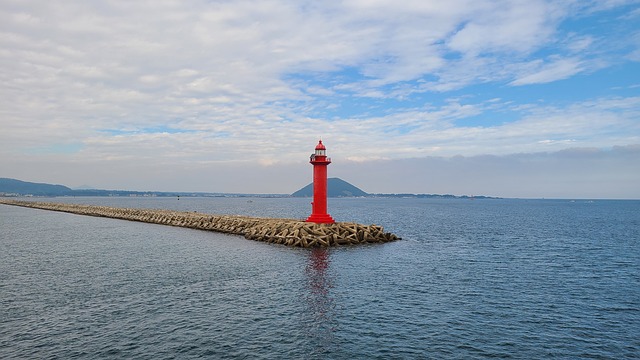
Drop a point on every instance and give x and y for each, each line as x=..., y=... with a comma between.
x=125, y=193
x=13, y=187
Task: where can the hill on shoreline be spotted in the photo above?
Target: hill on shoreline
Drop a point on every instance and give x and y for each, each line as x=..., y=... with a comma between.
x=336, y=187
x=13, y=186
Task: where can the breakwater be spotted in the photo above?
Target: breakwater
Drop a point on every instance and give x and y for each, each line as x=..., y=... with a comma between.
x=288, y=232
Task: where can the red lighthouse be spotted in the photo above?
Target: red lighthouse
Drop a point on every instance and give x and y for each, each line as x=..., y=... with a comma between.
x=319, y=160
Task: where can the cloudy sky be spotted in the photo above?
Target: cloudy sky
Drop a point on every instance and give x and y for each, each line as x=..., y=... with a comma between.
x=514, y=98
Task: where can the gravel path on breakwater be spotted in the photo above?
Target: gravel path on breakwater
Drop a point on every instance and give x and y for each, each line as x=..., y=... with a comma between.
x=288, y=232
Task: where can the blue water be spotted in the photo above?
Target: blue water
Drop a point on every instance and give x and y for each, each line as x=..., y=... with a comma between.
x=521, y=279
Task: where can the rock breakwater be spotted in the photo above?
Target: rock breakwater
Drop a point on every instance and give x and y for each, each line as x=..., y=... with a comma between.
x=288, y=232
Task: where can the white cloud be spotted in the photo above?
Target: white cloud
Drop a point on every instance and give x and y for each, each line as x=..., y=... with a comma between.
x=506, y=27
x=576, y=44
x=554, y=70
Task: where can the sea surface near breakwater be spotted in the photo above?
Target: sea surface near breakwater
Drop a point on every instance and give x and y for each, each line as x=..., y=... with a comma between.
x=471, y=279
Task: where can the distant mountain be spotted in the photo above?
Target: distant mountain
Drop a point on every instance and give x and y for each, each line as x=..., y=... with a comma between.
x=336, y=187
x=13, y=186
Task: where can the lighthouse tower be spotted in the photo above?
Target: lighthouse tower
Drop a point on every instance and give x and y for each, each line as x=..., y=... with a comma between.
x=319, y=160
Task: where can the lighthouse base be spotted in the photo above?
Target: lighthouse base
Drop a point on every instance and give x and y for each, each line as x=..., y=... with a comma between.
x=320, y=219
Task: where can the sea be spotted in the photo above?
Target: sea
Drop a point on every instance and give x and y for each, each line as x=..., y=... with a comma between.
x=470, y=279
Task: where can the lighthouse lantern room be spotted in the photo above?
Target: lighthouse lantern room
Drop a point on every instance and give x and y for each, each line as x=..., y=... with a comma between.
x=320, y=161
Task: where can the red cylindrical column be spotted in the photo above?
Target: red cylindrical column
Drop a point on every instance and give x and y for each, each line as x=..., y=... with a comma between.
x=319, y=188
x=320, y=161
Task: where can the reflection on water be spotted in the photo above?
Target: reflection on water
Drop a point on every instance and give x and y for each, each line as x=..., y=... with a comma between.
x=320, y=306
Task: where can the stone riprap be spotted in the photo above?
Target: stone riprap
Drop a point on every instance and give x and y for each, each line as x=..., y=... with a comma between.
x=288, y=232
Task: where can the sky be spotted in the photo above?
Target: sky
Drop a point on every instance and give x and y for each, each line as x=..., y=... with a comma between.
x=510, y=98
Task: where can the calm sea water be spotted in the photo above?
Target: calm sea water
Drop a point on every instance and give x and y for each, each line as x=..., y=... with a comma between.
x=521, y=279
